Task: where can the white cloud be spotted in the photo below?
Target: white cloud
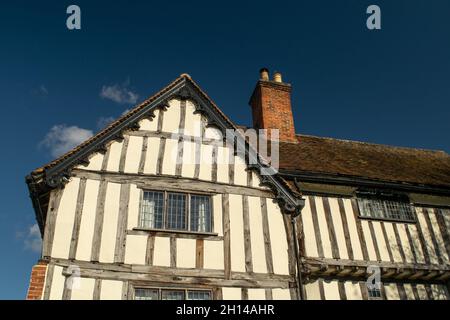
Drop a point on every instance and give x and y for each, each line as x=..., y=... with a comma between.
x=102, y=122
x=40, y=91
x=32, y=239
x=43, y=89
x=119, y=93
x=62, y=138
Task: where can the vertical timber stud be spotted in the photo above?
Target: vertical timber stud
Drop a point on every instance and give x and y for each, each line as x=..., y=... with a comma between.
x=341, y=288
x=330, y=227
x=247, y=237
x=173, y=252
x=179, y=159
x=290, y=235
x=106, y=159
x=217, y=293
x=348, y=242
x=119, y=252
x=181, y=127
x=402, y=291
x=301, y=237
x=130, y=291
x=429, y=292
x=363, y=288
x=198, y=146
x=426, y=215
x=231, y=160
x=77, y=220
x=443, y=229
x=98, y=224
x=97, y=289
x=199, y=248
x=315, y=219
x=160, y=119
x=143, y=155
x=249, y=178
x=415, y=291
x=423, y=243
x=399, y=242
x=374, y=241
x=269, y=294
x=150, y=250
x=125, y=285
x=215, y=152
x=321, y=289
x=411, y=243
x=123, y=154
x=226, y=235
x=386, y=240
x=48, y=281
x=67, y=291
x=266, y=233
x=383, y=291
x=55, y=199
x=362, y=239
x=300, y=289
x=244, y=292
x=297, y=240
x=159, y=163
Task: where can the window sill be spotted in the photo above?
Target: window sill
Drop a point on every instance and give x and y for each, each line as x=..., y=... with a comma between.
x=162, y=231
x=388, y=220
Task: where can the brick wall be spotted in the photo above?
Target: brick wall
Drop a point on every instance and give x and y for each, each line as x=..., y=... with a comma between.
x=37, y=280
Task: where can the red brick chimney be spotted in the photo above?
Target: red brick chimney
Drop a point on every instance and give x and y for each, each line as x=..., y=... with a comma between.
x=271, y=106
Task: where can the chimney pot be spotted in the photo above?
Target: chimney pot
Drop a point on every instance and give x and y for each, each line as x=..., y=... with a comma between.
x=264, y=74
x=277, y=77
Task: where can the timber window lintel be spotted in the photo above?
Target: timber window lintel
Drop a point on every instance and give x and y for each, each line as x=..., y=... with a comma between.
x=150, y=230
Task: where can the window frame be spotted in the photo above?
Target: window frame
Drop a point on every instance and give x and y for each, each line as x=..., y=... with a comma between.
x=141, y=205
x=187, y=209
x=401, y=199
x=211, y=215
x=175, y=288
x=166, y=210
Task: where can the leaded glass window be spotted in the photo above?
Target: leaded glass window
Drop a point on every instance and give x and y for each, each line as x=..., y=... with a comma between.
x=176, y=211
x=146, y=294
x=198, y=295
x=171, y=294
x=200, y=213
x=152, y=210
x=385, y=209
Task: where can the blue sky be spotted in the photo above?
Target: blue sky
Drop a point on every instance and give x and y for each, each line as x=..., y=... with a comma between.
x=389, y=86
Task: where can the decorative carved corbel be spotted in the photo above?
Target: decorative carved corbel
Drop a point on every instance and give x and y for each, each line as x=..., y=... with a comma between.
x=58, y=180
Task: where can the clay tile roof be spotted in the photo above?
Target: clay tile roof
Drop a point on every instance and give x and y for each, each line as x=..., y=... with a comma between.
x=365, y=160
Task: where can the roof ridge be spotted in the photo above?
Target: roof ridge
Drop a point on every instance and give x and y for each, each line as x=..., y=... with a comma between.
x=374, y=144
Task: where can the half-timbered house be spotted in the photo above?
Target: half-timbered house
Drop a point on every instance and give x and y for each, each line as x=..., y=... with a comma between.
x=159, y=205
